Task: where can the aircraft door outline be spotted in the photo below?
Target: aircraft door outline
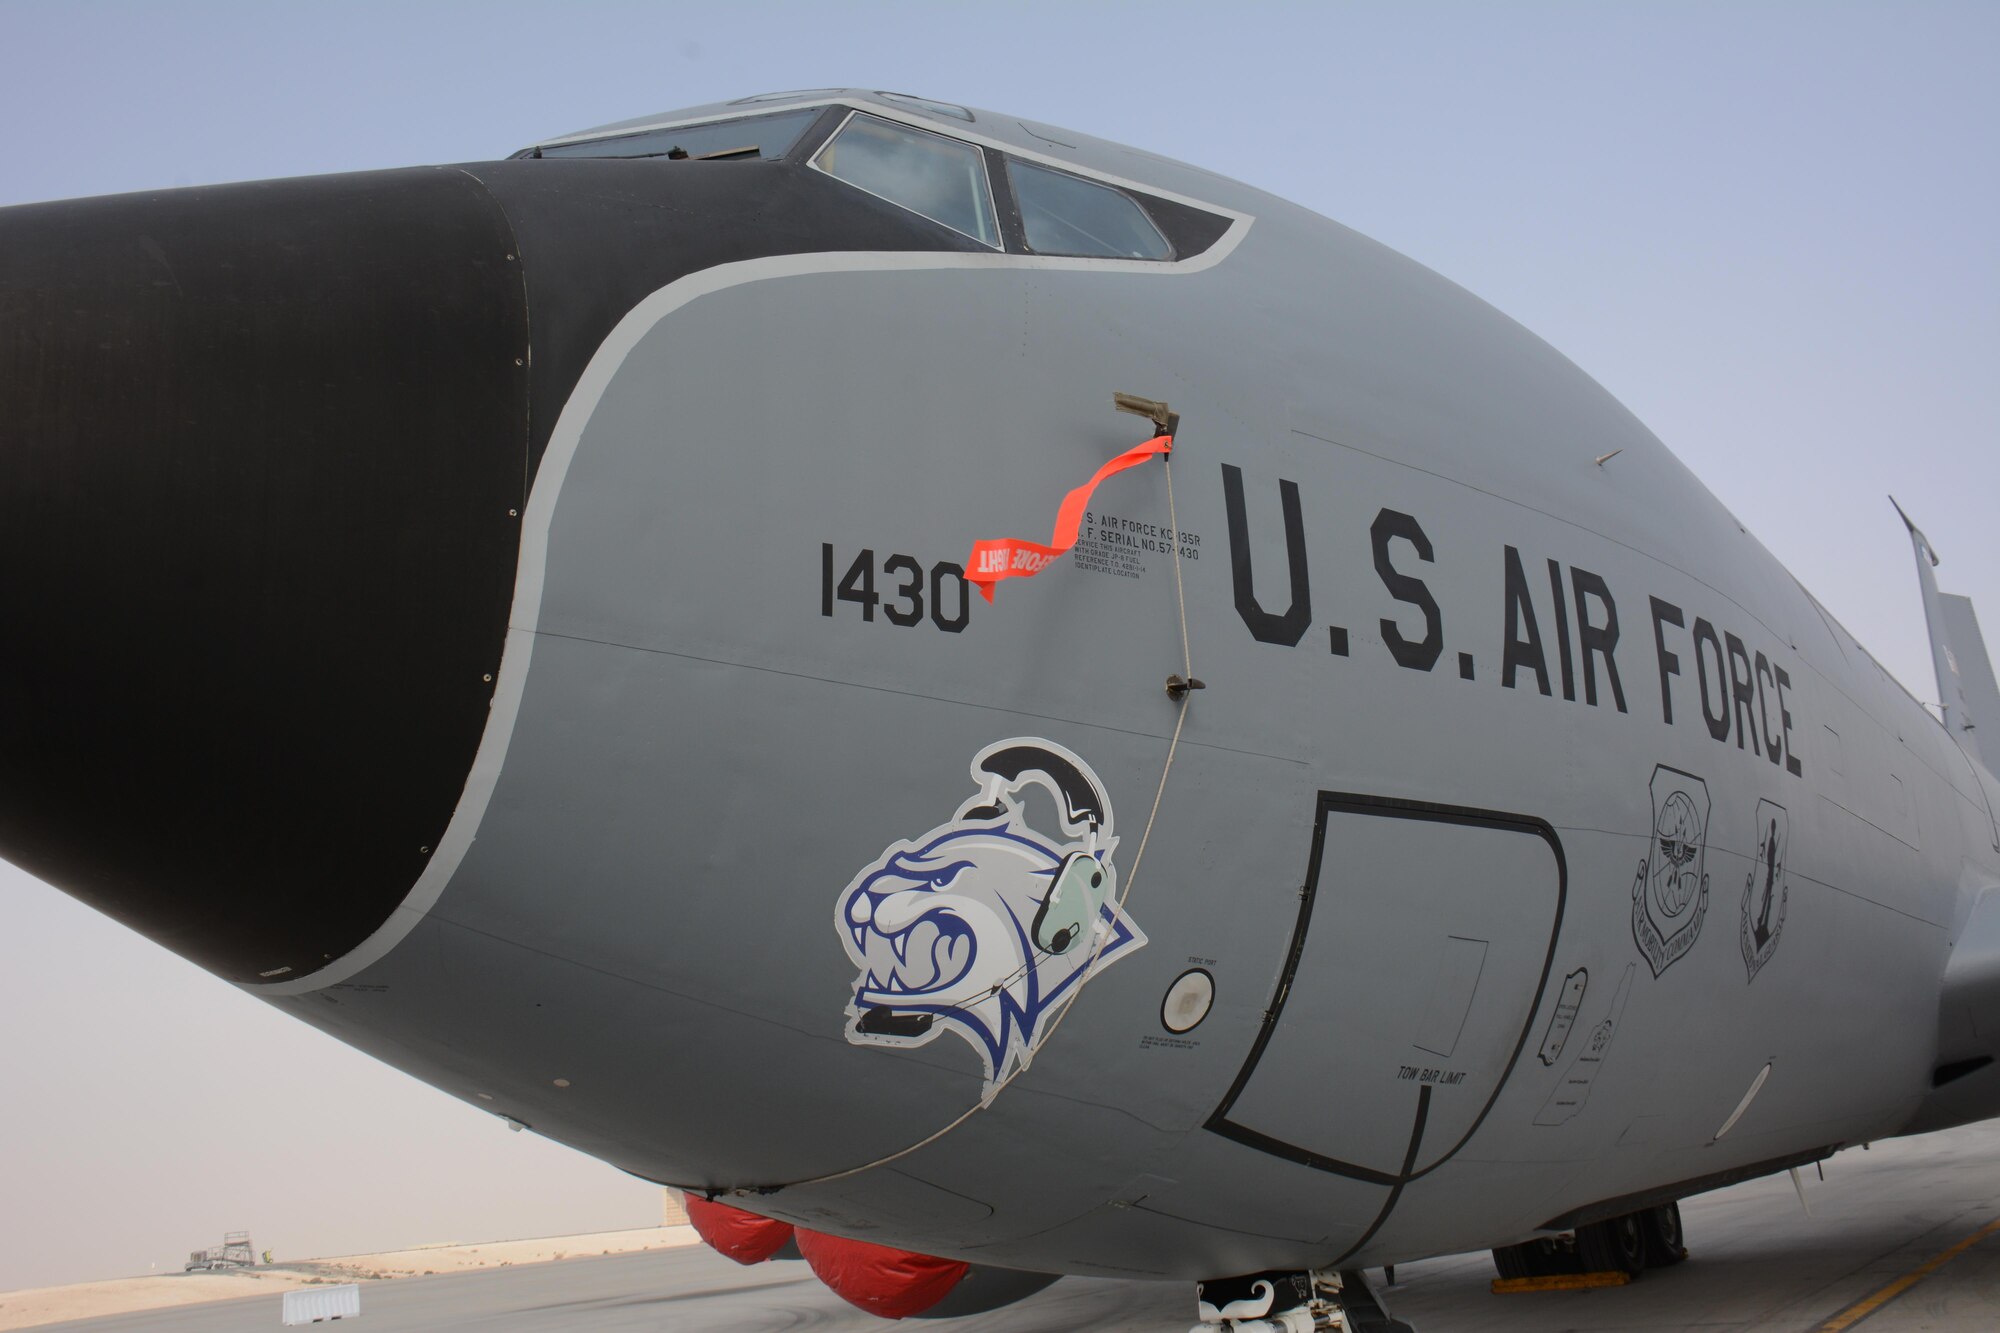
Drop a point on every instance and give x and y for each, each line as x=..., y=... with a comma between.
x=1539, y=876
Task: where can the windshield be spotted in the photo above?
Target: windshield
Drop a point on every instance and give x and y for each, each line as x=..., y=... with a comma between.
x=1063, y=214
x=764, y=137
x=941, y=178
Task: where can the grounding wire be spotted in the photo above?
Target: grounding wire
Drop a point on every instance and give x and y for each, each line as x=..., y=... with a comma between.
x=1103, y=935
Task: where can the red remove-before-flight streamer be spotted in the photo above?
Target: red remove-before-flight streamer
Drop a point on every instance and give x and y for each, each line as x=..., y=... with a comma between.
x=1017, y=558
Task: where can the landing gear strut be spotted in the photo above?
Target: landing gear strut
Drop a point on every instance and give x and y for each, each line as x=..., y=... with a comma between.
x=1628, y=1244
x=1292, y=1303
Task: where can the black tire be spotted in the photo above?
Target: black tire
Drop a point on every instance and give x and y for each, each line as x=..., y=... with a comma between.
x=1549, y=1258
x=1534, y=1258
x=1615, y=1245
x=1661, y=1226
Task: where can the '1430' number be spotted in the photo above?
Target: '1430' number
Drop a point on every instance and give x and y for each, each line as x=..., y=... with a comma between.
x=945, y=582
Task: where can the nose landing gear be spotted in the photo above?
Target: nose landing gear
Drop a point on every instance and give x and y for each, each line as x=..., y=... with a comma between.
x=1292, y=1303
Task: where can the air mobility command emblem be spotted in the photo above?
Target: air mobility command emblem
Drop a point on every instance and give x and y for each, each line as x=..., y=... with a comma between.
x=1670, y=895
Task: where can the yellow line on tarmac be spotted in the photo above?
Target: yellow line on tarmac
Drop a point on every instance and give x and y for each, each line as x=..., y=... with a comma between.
x=1869, y=1304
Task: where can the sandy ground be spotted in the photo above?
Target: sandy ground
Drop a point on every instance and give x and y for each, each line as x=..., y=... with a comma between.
x=86, y=1300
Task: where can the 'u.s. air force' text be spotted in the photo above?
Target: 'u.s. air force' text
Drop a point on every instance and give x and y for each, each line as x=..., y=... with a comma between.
x=1562, y=633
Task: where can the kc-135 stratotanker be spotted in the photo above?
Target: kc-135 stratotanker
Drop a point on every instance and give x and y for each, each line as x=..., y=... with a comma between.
x=562, y=625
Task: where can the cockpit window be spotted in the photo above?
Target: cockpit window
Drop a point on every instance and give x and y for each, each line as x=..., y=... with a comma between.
x=941, y=178
x=1063, y=214
x=765, y=137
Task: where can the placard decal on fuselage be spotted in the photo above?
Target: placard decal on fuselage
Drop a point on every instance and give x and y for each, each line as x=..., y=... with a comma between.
x=1766, y=891
x=1564, y=636
x=1564, y=1018
x=1670, y=891
x=983, y=926
x=1120, y=545
x=1573, y=1089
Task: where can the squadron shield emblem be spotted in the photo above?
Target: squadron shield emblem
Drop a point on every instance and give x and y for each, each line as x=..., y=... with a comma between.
x=1766, y=893
x=983, y=925
x=1670, y=895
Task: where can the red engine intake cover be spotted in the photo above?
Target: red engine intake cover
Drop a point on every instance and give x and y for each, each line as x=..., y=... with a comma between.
x=744, y=1237
x=891, y=1283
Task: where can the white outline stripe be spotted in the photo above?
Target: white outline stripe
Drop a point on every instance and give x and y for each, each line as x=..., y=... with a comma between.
x=531, y=572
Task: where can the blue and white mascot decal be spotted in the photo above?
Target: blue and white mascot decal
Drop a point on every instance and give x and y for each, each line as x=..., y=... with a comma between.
x=983, y=925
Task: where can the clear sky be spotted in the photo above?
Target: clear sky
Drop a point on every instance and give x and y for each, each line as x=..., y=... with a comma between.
x=1767, y=228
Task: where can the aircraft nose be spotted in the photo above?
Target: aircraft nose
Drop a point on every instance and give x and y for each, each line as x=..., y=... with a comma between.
x=262, y=452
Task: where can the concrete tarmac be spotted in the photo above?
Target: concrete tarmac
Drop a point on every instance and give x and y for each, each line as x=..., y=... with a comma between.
x=1758, y=1262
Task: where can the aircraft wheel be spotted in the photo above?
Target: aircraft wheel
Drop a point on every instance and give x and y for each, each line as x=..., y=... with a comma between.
x=1617, y=1244
x=1662, y=1228
x=1550, y=1258
x=1533, y=1258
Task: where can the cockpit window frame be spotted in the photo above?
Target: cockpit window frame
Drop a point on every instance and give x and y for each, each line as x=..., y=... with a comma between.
x=1193, y=226
x=927, y=105
x=795, y=95
x=1133, y=197
x=562, y=149
x=1001, y=245
x=807, y=142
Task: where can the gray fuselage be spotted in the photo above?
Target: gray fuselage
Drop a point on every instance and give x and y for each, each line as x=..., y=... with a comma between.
x=1529, y=814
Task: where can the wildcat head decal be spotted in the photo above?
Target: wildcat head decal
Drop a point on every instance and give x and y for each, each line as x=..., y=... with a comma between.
x=983, y=925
